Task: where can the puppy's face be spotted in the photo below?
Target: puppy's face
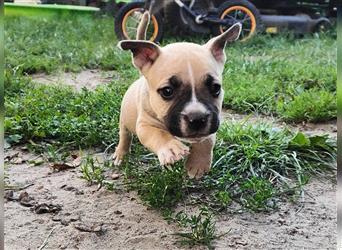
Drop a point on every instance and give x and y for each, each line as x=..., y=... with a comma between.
x=185, y=90
x=184, y=82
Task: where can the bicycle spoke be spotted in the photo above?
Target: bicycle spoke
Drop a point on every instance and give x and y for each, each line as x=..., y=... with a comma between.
x=135, y=20
x=247, y=17
x=131, y=28
x=235, y=15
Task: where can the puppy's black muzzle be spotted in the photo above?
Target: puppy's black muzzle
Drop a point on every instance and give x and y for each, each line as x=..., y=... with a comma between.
x=196, y=121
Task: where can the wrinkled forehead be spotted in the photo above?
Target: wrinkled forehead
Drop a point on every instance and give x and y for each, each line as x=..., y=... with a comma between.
x=190, y=62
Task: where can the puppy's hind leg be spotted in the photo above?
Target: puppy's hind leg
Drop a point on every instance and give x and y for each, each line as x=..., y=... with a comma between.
x=125, y=138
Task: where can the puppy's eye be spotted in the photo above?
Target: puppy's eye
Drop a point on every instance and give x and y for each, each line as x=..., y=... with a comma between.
x=166, y=92
x=215, y=89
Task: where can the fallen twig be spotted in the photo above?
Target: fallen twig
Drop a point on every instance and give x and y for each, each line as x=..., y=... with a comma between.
x=18, y=188
x=46, y=239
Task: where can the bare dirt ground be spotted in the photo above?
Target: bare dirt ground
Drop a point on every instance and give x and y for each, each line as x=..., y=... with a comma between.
x=59, y=210
x=89, y=79
x=329, y=127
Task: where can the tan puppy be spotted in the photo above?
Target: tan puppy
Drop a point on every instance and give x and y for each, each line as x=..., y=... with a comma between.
x=177, y=98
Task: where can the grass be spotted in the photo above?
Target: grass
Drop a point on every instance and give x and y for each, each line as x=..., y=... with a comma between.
x=93, y=172
x=38, y=112
x=202, y=228
x=269, y=75
x=255, y=165
x=67, y=44
x=313, y=105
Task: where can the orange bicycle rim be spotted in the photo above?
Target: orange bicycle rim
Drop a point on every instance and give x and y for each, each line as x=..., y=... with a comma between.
x=245, y=10
x=124, y=22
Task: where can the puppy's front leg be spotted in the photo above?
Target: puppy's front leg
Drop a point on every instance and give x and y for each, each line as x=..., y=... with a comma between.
x=162, y=143
x=199, y=160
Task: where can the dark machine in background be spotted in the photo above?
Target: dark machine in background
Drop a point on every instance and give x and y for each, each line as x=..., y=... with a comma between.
x=215, y=16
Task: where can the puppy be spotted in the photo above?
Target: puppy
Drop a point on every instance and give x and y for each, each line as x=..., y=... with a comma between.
x=177, y=99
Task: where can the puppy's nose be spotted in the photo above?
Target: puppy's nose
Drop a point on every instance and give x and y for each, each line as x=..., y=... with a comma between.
x=196, y=121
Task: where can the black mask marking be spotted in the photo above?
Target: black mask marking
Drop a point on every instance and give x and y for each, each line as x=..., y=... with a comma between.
x=183, y=96
x=204, y=95
x=173, y=118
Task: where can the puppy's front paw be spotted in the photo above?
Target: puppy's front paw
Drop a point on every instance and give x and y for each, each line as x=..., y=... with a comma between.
x=197, y=171
x=173, y=151
x=118, y=156
x=197, y=166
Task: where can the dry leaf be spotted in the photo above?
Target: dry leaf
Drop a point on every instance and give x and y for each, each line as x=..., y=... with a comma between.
x=61, y=166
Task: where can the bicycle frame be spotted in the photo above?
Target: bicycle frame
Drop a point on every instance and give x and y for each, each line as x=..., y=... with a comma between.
x=200, y=19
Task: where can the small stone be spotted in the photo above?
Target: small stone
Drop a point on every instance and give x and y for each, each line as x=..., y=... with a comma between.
x=115, y=176
x=241, y=242
x=23, y=195
x=9, y=195
x=18, y=160
x=97, y=229
x=89, y=228
x=74, y=218
x=70, y=188
x=65, y=222
x=47, y=208
x=281, y=221
x=293, y=231
x=56, y=218
x=25, y=199
x=117, y=212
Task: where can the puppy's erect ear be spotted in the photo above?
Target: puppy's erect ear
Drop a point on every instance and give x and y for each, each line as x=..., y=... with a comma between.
x=142, y=27
x=217, y=44
x=145, y=53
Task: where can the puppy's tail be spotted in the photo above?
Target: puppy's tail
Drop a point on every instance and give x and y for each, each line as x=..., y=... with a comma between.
x=142, y=27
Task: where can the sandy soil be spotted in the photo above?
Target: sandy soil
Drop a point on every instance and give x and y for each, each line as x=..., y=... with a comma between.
x=79, y=216
x=89, y=79
x=118, y=220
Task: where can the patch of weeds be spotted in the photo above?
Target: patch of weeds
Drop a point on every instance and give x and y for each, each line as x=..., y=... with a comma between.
x=157, y=187
x=202, y=230
x=255, y=164
x=312, y=105
x=223, y=198
x=257, y=194
x=93, y=171
x=52, y=152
